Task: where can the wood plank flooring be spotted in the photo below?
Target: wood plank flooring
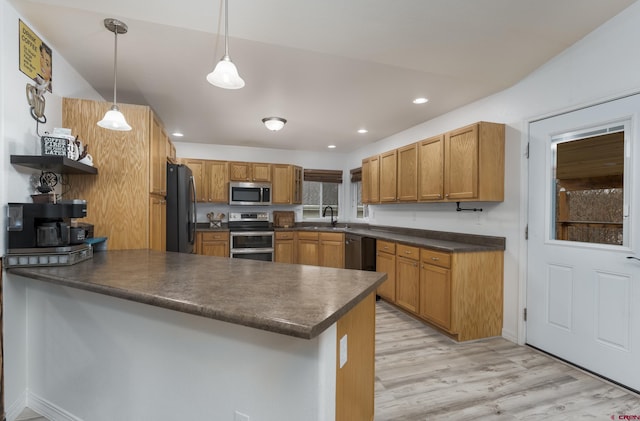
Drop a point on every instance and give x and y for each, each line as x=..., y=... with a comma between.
x=423, y=375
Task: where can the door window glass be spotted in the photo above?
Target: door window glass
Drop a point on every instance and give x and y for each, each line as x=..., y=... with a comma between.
x=589, y=195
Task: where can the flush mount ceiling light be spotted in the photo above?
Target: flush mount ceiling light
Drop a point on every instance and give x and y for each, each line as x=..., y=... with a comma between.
x=225, y=74
x=420, y=100
x=363, y=131
x=113, y=119
x=274, y=123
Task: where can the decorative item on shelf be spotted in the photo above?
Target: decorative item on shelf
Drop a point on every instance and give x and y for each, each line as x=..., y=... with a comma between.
x=225, y=74
x=215, y=219
x=51, y=145
x=274, y=123
x=113, y=119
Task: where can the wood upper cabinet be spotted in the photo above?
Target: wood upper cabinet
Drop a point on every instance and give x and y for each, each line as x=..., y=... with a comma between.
x=366, y=182
x=388, y=176
x=216, y=183
x=474, y=163
x=213, y=243
x=286, y=188
x=249, y=171
x=171, y=151
x=407, y=187
x=157, y=223
x=431, y=169
x=197, y=167
x=407, y=277
x=284, y=248
x=308, y=248
x=157, y=157
x=371, y=179
x=331, y=250
x=211, y=178
x=386, y=262
x=124, y=162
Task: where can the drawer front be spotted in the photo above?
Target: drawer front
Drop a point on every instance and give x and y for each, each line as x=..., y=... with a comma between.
x=409, y=252
x=386, y=246
x=331, y=236
x=307, y=235
x=284, y=235
x=437, y=258
x=215, y=236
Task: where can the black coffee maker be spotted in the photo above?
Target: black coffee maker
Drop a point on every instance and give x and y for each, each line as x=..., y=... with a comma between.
x=38, y=225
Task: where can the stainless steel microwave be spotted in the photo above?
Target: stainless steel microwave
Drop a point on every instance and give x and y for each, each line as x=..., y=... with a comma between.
x=241, y=193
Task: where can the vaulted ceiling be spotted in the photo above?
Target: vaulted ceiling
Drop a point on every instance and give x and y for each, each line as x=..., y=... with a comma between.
x=329, y=67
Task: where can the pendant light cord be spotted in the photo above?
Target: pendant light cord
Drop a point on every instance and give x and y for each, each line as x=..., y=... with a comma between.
x=226, y=28
x=115, y=64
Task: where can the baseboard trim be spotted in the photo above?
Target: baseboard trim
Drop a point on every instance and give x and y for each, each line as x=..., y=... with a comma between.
x=16, y=407
x=48, y=409
x=510, y=336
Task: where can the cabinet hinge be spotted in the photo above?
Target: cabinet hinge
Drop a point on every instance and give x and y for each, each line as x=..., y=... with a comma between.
x=524, y=314
x=526, y=232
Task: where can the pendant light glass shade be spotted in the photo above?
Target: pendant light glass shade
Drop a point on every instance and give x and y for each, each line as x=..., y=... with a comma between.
x=114, y=119
x=225, y=74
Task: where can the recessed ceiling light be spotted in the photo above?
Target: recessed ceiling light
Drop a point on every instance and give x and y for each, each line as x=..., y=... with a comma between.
x=363, y=131
x=177, y=134
x=420, y=100
x=331, y=146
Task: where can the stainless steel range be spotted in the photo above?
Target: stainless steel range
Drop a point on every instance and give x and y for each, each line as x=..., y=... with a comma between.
x=251, y=236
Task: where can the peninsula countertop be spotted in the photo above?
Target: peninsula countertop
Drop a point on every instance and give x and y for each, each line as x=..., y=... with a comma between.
x=295, y=300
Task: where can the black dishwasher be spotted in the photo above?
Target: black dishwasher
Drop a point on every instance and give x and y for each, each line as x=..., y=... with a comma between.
x=360, y=252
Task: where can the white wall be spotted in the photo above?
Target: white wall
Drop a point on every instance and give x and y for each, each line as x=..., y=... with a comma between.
x=603, y=65
x=18, y=136
x=95, y=357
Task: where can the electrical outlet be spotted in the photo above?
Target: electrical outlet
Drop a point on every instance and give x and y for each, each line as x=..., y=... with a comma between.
x=343, y=351
x=240, y=417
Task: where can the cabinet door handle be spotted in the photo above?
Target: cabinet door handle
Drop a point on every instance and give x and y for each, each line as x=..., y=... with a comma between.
x=415, y=265
x=435, y=259
x=407, y=252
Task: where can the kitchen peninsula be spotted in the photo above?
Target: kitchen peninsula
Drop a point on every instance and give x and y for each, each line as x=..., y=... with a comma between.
x=139, y=334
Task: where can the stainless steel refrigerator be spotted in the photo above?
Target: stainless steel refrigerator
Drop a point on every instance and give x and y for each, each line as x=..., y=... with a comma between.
x=181, y=209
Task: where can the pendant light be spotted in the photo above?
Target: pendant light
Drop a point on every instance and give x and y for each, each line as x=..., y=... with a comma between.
x=225, y=74
x=113, y=119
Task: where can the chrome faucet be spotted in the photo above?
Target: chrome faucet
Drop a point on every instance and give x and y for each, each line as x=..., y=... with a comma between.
x=324, y=213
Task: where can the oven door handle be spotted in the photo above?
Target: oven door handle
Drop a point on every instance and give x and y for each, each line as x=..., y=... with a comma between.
x=250, y=251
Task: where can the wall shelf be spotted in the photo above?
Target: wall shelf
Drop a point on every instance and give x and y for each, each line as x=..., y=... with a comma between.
x=56, y=164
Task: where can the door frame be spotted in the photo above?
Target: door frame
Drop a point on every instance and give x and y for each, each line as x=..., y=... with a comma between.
x=524, y=195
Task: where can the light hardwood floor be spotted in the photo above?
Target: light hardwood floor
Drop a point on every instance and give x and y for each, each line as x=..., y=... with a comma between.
x=423, y=375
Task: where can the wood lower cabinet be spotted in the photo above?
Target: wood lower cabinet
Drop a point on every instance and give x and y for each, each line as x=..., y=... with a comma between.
x=331, y=250
x=435, y=288
x=157, y=223
x=285, y=248
x=213, y=243
x=308, y=248
x=407, y=277
x=386, y=262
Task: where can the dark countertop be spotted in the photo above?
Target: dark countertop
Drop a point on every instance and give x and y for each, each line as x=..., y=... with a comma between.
x=295, y=300
x=437, y=240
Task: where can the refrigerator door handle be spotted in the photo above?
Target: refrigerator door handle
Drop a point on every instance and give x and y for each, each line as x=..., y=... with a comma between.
x=192, y=233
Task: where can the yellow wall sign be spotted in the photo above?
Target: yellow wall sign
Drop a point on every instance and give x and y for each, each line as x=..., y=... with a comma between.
x=35, y=57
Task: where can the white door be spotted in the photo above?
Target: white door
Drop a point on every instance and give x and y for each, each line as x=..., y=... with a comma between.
x=583, y=290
